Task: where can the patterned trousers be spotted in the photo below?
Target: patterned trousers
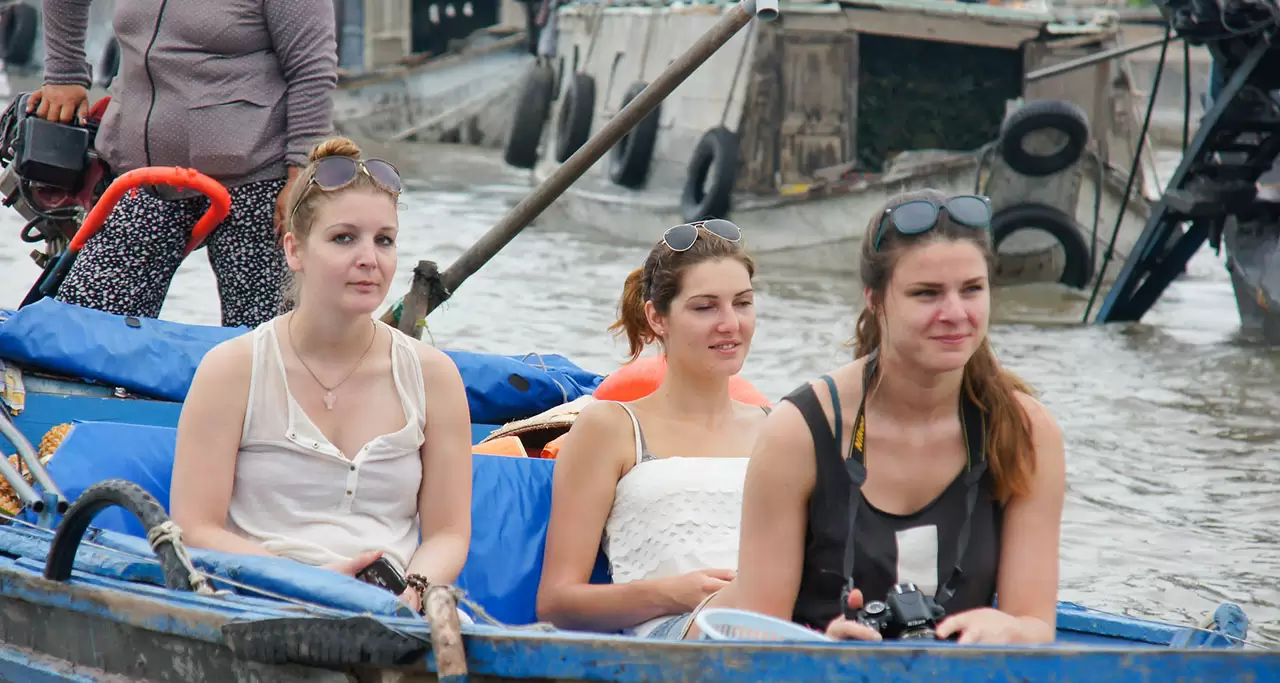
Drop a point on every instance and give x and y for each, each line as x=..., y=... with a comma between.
x=126, y=268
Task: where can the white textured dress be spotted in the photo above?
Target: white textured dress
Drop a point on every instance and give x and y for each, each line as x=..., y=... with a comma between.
x=673, y=515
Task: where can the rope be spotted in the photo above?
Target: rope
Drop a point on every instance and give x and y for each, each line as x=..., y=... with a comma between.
x=1133, y=173
x=169, y=532
x=461, y=598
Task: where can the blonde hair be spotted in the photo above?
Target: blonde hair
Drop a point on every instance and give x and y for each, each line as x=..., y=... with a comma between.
x=305, y=198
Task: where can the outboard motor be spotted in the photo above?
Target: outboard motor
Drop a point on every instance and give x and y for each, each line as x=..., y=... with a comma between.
x=51, y=175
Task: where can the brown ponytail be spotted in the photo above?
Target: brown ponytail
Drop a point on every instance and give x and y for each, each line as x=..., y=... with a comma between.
x=1010, y=451
x=659, y=281
x=867, y=333
x=631, y=318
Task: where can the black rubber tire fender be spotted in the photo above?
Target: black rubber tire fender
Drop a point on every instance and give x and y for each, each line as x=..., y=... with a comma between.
x=95, y=499
x=329, y=643
x=529, y=117
x=1078, y=269
x=108, y=65
x=630, y=159
x=1059, y=115
x=712, y=171
x=573, y=125
x=18, y=24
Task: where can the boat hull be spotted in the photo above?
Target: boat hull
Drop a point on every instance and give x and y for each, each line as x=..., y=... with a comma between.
x=84, y=632
x=823, y=232
x=461, y=97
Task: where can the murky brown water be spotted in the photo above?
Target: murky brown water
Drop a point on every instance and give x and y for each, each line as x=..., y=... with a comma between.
x=1170, y=425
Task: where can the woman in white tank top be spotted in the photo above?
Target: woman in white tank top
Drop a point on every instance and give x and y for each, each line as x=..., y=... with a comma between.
x=657, y=482
x=325, y=436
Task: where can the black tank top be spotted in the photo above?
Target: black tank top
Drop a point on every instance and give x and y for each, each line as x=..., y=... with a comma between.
x=920, y=548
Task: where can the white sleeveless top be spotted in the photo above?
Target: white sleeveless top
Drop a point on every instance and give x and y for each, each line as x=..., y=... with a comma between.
x=673, y=515
x=298, y=497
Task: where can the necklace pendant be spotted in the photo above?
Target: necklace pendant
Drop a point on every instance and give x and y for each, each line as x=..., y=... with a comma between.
x=329, y=398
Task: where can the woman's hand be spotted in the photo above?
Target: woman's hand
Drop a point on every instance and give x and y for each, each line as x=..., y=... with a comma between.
x=991, y=626
x=842, y=628
x=354, y=565
x=61, y=103
x=687, y=591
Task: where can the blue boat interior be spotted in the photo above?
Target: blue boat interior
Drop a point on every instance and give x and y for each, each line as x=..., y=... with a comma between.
x=85, y=354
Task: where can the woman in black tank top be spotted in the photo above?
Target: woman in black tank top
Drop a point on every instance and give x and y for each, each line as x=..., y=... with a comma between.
x=920, y=466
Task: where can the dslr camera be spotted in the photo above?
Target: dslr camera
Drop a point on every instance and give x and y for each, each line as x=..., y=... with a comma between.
x=904, y=614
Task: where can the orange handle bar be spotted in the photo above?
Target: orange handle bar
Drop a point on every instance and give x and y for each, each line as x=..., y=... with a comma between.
x=182, y=178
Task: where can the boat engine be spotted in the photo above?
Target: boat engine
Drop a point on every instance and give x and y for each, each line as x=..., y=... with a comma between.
x=51, y=175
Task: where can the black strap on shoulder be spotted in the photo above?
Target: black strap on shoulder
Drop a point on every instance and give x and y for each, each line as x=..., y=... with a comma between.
x=806, y=401
x=838, y=432
x=972, y=423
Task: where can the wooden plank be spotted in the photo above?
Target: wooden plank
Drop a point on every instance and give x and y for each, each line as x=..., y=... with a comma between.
x=816, y=77
x=762, y=111
x=965, y=30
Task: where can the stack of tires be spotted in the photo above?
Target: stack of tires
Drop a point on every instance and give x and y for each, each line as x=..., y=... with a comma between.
x=1068, y=124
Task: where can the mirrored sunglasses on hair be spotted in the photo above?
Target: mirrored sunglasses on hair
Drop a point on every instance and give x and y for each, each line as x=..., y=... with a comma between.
x=682, y=237
x=333, y=173
x=921, y=215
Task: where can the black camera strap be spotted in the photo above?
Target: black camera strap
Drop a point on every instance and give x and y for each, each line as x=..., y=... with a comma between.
x=972, y=422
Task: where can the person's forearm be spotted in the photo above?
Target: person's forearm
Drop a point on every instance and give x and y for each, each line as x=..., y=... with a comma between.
x=1034, y=631
x=222, y=540
x=440, y=557
x=607, y=607
x=65, y=24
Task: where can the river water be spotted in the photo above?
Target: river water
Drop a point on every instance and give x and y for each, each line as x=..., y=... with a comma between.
x=1169, y=424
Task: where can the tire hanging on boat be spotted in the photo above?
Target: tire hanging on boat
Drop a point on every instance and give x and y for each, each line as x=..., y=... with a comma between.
x=713, y=169
x=630, y=159
x=18, y=24
x=573, y=125
x=1043, y=115
x=529, y=116
x=1077, y=271
x=108, y=65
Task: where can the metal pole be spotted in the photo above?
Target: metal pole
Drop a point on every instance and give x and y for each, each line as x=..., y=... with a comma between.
x=1090, y=60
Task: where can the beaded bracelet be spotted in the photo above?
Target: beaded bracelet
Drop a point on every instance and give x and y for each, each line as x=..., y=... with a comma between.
x=419, y=584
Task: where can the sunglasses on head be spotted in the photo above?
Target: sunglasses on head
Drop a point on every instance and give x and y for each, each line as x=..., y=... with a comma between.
x=921, y=215
x=333, y=173
x=682, y=237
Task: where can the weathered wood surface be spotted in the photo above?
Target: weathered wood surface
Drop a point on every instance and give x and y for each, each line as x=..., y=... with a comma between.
x=762, y=114
x=819, y=102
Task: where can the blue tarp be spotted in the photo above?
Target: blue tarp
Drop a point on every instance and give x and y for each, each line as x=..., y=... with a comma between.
x=158, y=358
x=511, y=503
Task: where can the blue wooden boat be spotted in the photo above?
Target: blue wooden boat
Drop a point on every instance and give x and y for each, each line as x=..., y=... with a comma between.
x=87, y=603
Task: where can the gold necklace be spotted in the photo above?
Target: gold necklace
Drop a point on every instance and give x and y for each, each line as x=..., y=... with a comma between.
x=330, y=398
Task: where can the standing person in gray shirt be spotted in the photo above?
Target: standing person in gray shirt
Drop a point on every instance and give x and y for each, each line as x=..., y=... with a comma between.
x=240, y=90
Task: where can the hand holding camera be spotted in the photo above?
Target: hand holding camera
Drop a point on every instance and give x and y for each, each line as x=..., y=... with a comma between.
x=905, y=614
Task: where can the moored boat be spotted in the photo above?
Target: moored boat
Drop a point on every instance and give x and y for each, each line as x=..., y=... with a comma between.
x=799, y=129
x=86, y=604
x=91, y=592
